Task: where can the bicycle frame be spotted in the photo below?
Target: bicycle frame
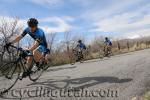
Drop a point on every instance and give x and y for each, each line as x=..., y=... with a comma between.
x=21, y=58
x=78, y=53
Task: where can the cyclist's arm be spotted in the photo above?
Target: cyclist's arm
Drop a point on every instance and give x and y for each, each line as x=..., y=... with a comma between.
x=17, y=39
x=36, y=44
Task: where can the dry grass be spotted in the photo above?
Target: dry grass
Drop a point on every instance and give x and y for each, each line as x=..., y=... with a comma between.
x=63, y=57
x=147, y=96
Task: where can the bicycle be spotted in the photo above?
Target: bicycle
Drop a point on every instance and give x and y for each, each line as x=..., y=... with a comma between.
x=77, y=56
x=12, y=70
x=107, y=51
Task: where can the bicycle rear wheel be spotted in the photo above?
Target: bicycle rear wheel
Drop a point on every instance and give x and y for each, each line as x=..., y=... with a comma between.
x=46, y=66
x=9, y=74
x=36, y=73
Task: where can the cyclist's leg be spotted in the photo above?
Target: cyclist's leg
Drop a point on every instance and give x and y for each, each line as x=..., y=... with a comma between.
x=37, y=56
x=105, y=50
x=29, y=62
x=110, y=49
x=28, y=65
x=47, y=57
x=38, y=53
x=28, y=68
x=82, y=54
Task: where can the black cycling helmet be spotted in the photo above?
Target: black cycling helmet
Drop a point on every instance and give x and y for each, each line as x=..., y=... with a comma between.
x=79, y=41
x=106, y=38
x=32, y=22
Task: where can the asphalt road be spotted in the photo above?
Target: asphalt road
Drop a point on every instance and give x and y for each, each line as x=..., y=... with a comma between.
x=120, y=77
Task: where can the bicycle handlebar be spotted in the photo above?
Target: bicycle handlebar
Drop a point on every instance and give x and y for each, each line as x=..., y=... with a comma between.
x=7, y=48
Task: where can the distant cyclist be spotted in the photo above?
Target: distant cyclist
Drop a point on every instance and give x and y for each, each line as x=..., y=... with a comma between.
x=38, y=49
x=81, y=45
x=107, y=42
x=107, y=46
x=80, y=50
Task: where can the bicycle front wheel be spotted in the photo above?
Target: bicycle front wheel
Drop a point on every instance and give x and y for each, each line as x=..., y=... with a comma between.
x=9, y=74
x=36, y=72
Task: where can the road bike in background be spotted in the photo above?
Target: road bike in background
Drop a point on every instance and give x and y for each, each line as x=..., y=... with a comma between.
x=107, y=51
x=77, y=56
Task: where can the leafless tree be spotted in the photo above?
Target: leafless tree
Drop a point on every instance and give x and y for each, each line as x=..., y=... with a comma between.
x=67, y=37
x=118, y=45
x=8, y=29
x=29, y=41
x=50, y=39
x=128, y=45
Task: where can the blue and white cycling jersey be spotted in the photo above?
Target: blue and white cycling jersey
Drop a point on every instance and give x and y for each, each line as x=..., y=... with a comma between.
x=81, y=45
x=39, y=36
x=108, y=42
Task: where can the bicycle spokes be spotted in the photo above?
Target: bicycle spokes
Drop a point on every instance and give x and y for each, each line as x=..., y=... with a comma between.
x=9, y=76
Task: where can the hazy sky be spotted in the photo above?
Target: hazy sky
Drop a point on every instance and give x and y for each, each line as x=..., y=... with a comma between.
x=117, y=18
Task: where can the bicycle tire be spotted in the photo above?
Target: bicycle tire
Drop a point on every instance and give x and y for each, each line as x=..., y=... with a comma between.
x=11, y=72
x=33, y=77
